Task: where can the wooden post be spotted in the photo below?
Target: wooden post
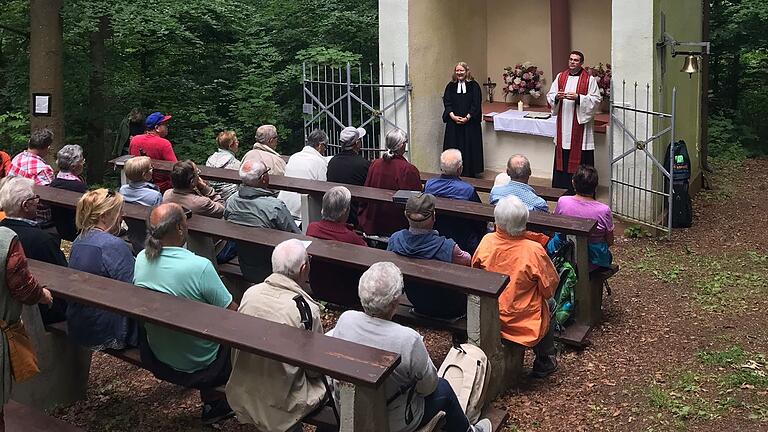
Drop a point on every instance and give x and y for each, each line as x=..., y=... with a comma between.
x=64, y=367
x=45, y=65
x=560, y=34
x=484, y=330
x=362, y=409
x=588, y=299
x=311, y=210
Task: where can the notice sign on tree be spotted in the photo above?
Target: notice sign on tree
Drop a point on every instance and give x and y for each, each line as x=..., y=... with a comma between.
x=41, y=104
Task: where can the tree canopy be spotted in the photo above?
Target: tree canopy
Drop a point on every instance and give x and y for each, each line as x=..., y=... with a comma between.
x=213, y=65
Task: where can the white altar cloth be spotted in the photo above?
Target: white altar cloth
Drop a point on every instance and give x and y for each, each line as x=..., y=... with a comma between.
x=513, y=121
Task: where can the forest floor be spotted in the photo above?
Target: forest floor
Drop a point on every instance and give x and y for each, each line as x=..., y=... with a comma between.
x=682, y=347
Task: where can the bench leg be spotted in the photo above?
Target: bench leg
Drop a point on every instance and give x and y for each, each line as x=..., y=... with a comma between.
x=484, y=330
x=588, y=299
x=362, y=409
x=311, y=210
x=64, y=367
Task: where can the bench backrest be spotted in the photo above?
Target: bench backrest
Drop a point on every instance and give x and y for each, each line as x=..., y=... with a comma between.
x=470, y=210
x=468, y=280
x=339, y=359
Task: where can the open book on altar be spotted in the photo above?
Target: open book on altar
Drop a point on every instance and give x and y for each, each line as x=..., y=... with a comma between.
x=538, y=115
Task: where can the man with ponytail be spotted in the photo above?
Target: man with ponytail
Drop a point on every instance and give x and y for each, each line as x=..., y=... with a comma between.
x=165, y=266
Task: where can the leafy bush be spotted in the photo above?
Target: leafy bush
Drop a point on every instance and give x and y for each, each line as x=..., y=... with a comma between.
x=14, y=127
x=726, y=138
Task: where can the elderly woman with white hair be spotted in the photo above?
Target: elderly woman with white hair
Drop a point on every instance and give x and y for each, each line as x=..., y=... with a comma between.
x=417, y=393
x=71, y=162
x=328, y=282
x=269, y=394
x=523, y=309
x=392, y=171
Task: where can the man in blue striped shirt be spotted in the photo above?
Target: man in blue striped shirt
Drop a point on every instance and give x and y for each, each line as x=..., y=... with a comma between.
x=519, y=171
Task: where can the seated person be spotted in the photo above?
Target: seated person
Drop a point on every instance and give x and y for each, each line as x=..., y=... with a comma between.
x=310, y=163
x=271, y=395
x=256, y=206
x=349, y=166
x=265, y=150
x=31, y=164
x=97, y=250
x=523, y=308
x=165, y=266
x=466, y=233
x=519, y=172
x=140, y=189
x=329, y=282
x=20, y=203
x=584, y=205
x=71, y=162
x=380, y=289
x=192, y=192
x=421, y=241
x=392, y=172
x=225, y=157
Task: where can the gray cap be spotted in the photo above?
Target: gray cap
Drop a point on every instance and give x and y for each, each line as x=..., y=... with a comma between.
x=420, y=207
x=349, y=135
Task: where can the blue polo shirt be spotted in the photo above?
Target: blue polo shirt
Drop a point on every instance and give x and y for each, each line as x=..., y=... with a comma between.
x=521, y=190
x=451, y=187
x=181, y=273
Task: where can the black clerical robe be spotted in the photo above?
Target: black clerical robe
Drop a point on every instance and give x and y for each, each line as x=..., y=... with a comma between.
x=468, y=137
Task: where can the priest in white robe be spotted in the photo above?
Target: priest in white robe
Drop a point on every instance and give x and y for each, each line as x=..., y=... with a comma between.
x=574, y=98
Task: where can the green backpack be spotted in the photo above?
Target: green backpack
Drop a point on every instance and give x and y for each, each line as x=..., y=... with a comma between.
x=565, y=301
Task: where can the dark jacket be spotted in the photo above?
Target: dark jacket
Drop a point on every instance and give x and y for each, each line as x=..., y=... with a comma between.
x=64, y=218
x=429, y=299
x=42, y=246
x=350, y=168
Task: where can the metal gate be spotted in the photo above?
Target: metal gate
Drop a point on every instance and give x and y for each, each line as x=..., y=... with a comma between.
x=377, y=99
x=640, y=189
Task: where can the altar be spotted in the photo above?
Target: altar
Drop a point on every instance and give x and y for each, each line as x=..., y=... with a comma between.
x=506, y=132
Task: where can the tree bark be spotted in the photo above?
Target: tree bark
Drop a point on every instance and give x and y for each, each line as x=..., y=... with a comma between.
x=96, y=142
x=45, y=65
x=704, y=119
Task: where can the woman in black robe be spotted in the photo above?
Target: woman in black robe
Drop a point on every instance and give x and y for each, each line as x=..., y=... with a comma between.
x=462, y=117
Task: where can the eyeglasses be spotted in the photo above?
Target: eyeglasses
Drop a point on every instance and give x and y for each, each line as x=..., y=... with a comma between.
x=33, y=197
x=265, y=172
x=110, y=193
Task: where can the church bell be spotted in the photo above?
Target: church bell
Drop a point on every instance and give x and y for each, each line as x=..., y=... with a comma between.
x=691, y=65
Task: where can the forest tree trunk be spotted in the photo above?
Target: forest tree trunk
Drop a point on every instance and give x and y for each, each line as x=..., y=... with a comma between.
x=45, y=66
x=96, y=142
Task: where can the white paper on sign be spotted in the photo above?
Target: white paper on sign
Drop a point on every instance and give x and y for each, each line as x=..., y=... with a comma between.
x=41, y=104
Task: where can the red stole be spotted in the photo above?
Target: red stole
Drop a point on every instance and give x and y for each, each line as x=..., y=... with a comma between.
x=577, y=130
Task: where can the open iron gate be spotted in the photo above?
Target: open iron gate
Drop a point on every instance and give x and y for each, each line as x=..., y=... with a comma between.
x=639, y=138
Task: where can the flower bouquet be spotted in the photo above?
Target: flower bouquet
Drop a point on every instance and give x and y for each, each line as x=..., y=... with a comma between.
x=524, y=80
x=602, y=74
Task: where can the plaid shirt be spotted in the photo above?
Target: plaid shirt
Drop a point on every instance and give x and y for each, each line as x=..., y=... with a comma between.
x=31, y=166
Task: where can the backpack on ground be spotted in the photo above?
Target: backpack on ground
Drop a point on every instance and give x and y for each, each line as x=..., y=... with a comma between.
x=682, y=209
x=466, y=369
x=565, y=298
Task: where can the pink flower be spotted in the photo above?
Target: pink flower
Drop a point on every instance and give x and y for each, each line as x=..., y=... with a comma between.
x=526, y=76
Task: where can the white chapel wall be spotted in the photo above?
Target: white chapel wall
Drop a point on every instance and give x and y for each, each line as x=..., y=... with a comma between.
x=441, y=33
x=393, y=47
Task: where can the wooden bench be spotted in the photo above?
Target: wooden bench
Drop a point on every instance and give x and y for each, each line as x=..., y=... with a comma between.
x=361, y=370
x=483, y=288
x=21, y=418
x=588, y=310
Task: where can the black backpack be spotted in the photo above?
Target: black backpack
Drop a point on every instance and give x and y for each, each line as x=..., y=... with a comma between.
x=682, y=209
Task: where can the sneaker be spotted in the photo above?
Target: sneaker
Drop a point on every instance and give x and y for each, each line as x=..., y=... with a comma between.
x=483, y=425
x=216, y=412
x=542, y=371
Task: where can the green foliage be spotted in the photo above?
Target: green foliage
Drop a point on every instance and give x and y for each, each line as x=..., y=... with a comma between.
x=14, y=128
x=738, y=73
x=730, y=356
x=636, y=231
x=228, y=64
